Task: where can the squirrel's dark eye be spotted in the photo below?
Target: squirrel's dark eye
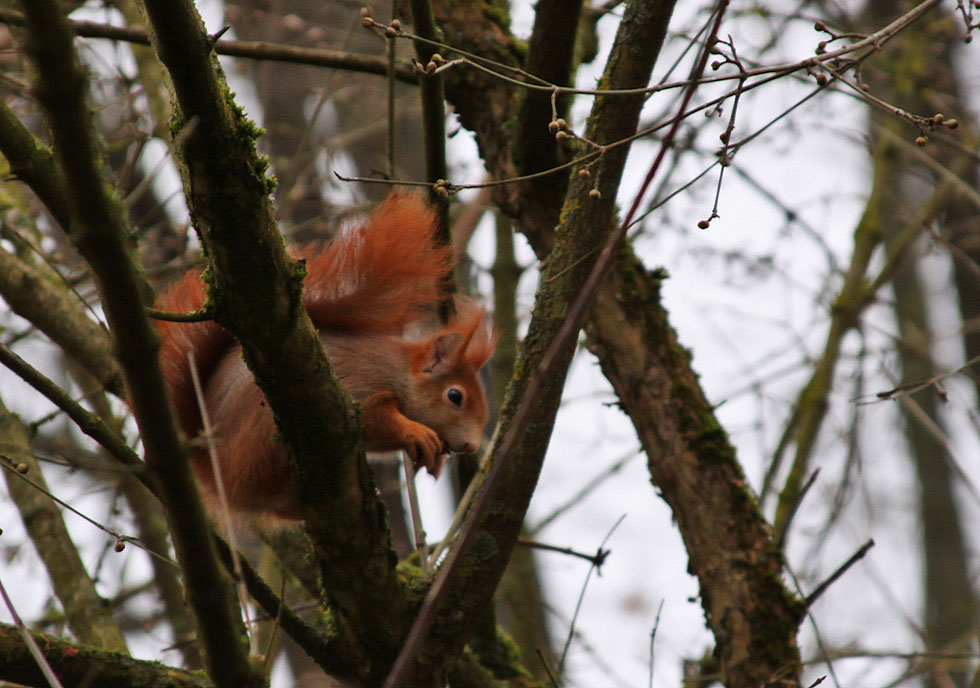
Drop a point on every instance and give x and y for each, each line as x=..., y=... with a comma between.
x=454, y=395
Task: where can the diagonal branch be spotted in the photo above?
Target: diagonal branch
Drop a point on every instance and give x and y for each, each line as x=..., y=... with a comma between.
x=467, y=579
x=52, y=310
x=691, y=461
x=88, y=615
x=98, y=230
x=255, y=292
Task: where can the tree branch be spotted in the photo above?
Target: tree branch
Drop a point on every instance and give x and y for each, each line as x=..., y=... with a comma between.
x=53, y=311
x=79, y=665
x=256, y=50
x=88, y=615
x=466, y=581
x=256, y=291
x=98, y=230
x=690, y=458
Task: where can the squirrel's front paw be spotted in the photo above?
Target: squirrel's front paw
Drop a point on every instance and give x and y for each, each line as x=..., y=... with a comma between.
x=423, y=446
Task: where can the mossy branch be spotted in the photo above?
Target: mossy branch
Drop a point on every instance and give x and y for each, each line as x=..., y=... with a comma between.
x=88, y=616
x=34, y=163
x=79, y=665
x=466, y=581
x=99, y=231
x=256, y=292
x=58, y=314
x=691, y=461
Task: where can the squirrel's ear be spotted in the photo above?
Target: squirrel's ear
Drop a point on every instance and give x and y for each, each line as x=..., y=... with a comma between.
x=443, y=352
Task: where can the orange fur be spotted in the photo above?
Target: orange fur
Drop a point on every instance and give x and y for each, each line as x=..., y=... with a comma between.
x=420, y=394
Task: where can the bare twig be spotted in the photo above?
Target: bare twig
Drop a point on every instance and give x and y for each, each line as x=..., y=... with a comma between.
x=597, y=559
x=822, y=588
x=418, y=531
x=581, y=595
x=39, y=657
x=256, y=50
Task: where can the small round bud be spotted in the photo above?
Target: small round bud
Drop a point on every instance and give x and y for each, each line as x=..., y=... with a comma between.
x=819, y=26
x=441, y=192
x=821, y=47
x=822, y=79
x=553, y=126
x=595, y=193
x=562, y=136
x=921, y=140
x=716, y=65
x=725, y=136
x=952, y=123
x=938, y=118
x=396, y=24
x=968, y=38
x=120, y=545
x=438, y=59
x=725, y=161
x=22, y=468
x=703, y=224
x=584, y=173
x=293, y=22
x=431, y=67
x=365, y=11
x=391, y=33
x=367, y=22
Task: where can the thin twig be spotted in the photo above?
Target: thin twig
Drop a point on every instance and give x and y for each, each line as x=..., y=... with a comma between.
x=781, y=543
x=653, y=638
x=256, y=50
x=418, y=531
x=862, y=48
x=597, y=559
x=583, y=492
x=8, y=465
x=913, y=387
x=581, y=596
x=547, y=669
x=822, y=588
x=87, y=422
x=42, y=661
x=219, y=485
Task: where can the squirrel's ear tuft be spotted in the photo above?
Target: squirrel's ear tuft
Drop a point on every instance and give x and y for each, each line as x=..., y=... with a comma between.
x=471, y=320
x=444, y=352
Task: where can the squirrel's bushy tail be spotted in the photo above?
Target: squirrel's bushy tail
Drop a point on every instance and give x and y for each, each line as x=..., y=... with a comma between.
x=205, y=341
x=375, y=278
x=380, y=276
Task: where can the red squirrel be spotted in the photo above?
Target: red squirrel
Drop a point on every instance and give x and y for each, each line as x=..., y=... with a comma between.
x=370, y=293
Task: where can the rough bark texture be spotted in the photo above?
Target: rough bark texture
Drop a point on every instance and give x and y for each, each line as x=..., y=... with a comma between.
x=474, y=568
x=98, y=231
x=79, y=665
x=692, y=463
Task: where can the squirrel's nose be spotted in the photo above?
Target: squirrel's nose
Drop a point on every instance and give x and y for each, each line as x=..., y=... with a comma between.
x=469, y=448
